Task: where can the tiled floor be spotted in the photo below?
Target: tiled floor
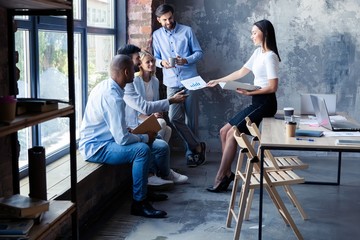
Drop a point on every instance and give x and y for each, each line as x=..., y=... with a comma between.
x=194, y=213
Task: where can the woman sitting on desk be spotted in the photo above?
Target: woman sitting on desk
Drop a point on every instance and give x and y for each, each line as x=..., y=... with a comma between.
x=264, y=63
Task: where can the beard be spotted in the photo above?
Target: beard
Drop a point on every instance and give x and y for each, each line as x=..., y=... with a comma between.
x=170, y=26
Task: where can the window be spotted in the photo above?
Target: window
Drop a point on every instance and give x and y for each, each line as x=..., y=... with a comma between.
x=41, y=43
x=100, y=53
x=22, y=47
x=101, y=13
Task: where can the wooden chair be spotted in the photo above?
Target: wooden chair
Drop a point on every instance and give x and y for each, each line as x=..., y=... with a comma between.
x=281, y=162
x=250, y=179
x=271, y=162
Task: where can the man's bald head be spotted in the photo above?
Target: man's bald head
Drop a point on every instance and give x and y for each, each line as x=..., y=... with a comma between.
x=122, y=69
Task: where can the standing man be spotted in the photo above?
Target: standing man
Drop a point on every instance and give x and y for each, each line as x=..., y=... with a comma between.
x=174, y=40
x=105, y=138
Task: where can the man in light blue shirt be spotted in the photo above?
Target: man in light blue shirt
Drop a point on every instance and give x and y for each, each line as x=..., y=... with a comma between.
x=174, y=40
x=105, y=138
x=160, y=172
x=134, y=101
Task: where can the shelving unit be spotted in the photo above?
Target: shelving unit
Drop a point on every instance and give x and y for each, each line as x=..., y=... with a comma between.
x=60, y=211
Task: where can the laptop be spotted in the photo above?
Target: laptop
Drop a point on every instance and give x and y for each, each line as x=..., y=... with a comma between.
x=306, y=107
x=323, y=118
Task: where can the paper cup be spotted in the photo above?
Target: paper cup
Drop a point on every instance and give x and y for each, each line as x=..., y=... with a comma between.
x=290, y=129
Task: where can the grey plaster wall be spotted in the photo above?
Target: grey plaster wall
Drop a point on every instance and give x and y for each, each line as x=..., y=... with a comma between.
x=318, y=42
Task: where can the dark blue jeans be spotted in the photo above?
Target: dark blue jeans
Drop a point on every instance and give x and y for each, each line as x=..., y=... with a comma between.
x=138, y=154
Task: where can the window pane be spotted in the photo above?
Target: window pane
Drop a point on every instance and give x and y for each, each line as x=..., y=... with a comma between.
x=21, y=17
x=77, y=9
x=100, y=52
x=78, y=81
x=100, y=13
x=22, y=47
x=54, y=135
x=53, y=67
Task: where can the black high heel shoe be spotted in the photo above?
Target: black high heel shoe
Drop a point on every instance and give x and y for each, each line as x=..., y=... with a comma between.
x=224, y=184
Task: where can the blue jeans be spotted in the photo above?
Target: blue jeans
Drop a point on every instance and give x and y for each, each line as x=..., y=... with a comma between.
x=138, y=154
x=183, y=116
x=160, y=158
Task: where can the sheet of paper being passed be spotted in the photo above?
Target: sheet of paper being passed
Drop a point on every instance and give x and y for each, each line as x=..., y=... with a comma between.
x=194, y=83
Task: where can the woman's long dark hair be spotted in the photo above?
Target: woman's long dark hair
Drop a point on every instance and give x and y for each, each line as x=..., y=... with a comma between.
x=269, y=38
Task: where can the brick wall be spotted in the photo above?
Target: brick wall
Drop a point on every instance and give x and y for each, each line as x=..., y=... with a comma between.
x=142, y=22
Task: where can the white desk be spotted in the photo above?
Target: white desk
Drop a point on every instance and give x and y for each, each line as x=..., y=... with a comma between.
x=273, y=138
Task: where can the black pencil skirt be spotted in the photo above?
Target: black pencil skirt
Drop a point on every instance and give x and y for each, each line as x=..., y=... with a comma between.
x=264, y=105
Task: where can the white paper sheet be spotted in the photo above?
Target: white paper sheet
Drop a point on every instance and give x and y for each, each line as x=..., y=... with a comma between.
x=341, y=134
x=194, y=83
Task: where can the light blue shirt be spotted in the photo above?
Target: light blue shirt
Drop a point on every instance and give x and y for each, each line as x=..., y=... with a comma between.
x=139, y=87
x=137, y=102
x=181, y=41
x=104, y=120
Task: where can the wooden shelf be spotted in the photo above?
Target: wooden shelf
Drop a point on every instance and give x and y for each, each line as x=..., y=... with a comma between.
x=36, y=4
x=59, y=211
x=28, y=120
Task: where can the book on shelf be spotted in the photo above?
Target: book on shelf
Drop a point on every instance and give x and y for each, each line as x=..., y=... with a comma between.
x=30, y=105
x=20, y=206
x=150, y=124
x=15, y=227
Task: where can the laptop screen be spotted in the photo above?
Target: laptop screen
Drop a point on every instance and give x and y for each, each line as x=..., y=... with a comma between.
x=321, y=111
x=306, y=106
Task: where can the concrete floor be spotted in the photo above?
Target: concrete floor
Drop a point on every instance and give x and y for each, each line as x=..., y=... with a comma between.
x=194, y=213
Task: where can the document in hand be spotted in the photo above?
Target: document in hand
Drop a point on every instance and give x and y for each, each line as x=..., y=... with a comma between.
x=194, y=83
x=150, y=124
x=233, y=85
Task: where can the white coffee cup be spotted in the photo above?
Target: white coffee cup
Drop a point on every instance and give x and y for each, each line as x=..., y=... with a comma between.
x=288, y=112
x=172, y=61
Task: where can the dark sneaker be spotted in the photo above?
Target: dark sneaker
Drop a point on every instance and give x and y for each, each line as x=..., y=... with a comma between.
x=198, y=159
x=202, y=153
x=191, y=161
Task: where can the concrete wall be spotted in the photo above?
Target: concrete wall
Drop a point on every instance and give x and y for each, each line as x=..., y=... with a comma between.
x=318, y=42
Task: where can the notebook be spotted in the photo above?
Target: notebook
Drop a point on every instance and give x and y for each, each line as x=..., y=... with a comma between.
x=306, y=107
x=323, y=118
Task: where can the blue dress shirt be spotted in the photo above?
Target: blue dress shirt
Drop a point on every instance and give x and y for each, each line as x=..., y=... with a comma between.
x=180, y=41
x=104, y=120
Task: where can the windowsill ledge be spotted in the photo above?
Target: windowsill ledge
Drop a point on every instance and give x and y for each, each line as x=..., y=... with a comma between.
x=58, y=176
